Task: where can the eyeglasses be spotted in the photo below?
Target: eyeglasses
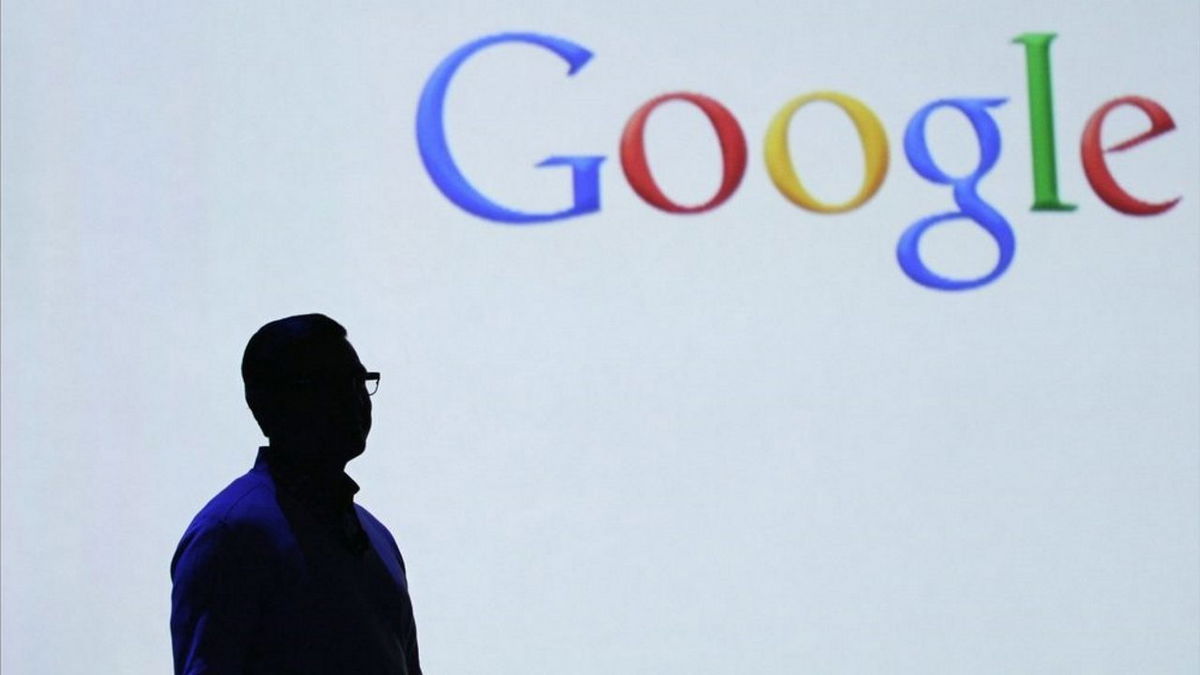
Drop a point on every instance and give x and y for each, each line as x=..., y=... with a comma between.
x=371, y=382
x=368, y=380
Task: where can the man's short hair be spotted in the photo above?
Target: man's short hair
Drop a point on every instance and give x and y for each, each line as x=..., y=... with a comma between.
x=279, y=352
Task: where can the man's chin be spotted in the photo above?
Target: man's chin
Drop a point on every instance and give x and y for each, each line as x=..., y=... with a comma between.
x=354, y=447
x=331, y=451
x=355, y=451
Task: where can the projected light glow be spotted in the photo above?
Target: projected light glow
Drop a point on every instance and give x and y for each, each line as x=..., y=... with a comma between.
x=710, y=425
x=585, y=170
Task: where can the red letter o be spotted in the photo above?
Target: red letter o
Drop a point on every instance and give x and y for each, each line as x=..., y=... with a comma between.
x=729, y=133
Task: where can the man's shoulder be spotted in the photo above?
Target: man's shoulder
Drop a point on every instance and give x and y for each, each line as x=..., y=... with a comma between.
x=383, y=541
x=371, y=523
x=237, y=517
x=366, y=517
x=245, y=498
x=246, y=503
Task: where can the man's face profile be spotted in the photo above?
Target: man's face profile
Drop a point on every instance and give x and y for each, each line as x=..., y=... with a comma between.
x=327, y=409
x=306, y=386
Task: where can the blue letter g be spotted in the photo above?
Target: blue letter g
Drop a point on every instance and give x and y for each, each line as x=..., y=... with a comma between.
x=971, y=206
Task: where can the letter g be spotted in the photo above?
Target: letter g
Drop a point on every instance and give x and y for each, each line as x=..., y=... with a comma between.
x=965, y=190
x=435, y=153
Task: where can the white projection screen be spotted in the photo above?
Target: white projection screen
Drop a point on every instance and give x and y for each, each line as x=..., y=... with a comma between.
x=615, y=437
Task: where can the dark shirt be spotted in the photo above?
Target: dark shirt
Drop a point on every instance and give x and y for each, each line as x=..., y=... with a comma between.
x=283, y=573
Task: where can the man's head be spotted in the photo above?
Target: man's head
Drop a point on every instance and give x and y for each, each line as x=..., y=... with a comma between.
x=305, y=386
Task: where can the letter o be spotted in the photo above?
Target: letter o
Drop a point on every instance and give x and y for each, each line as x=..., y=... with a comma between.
x=729, y=134
x=783, y=172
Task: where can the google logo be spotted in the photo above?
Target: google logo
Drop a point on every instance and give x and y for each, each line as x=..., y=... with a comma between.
x=585, y=170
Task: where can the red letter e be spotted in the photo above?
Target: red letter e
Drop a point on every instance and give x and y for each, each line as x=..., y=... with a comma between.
x=1096, y=169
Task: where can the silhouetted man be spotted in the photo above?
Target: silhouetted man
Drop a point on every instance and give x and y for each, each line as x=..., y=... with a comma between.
x=282, y=572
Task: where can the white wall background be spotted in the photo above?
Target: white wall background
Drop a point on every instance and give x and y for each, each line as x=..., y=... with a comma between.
x=633, y=442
